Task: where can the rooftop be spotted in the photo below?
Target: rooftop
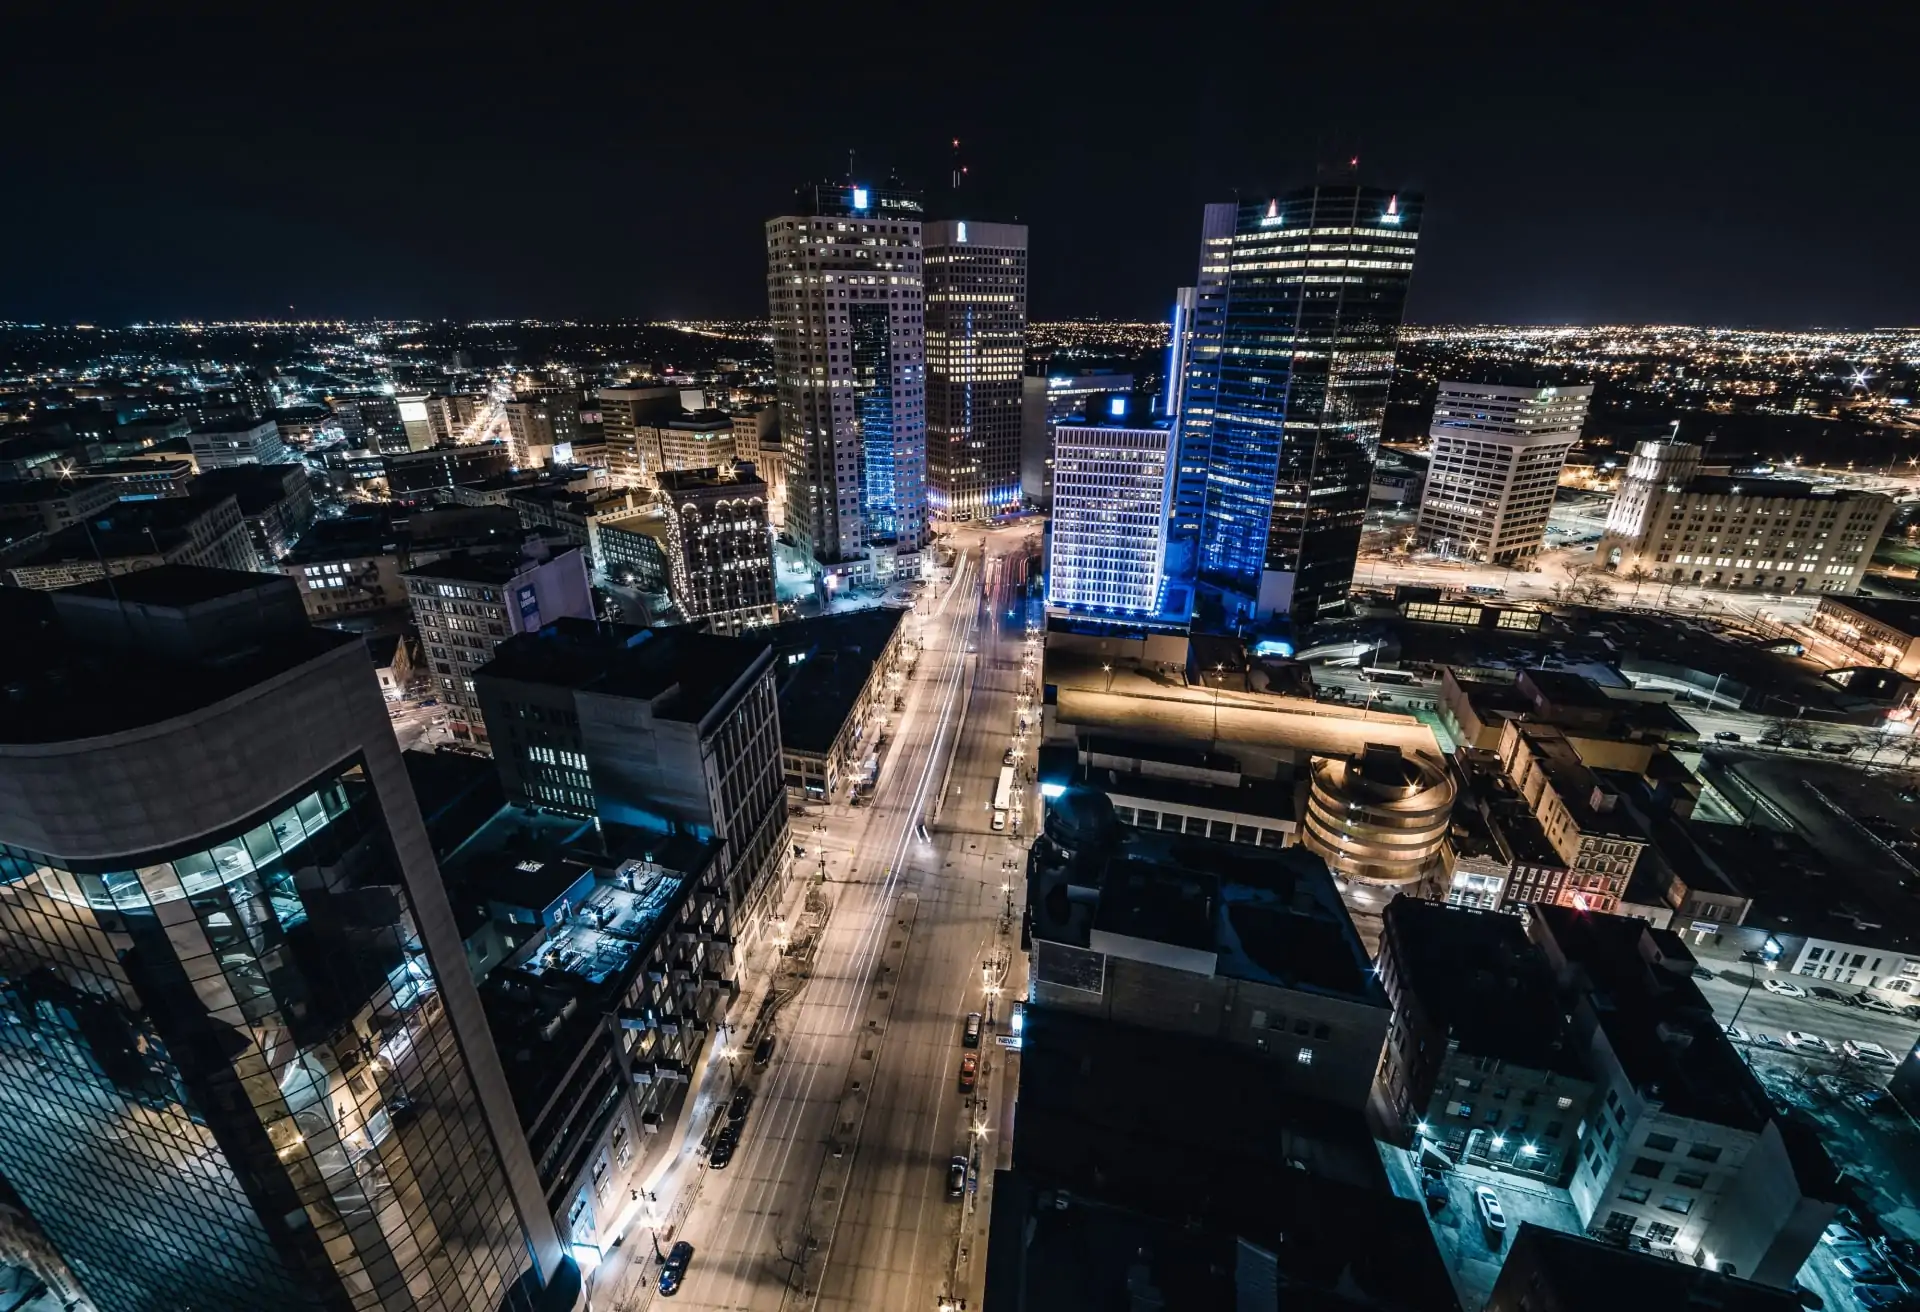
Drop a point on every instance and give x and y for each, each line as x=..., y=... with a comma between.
x=1639, y=983
x=820, y=665
x=1478, y=977
x=1890, y=611
x=492, y=566
x=1585, y=1275
x=125, y=529
x=80, y=663
x=1575, y=785
x=684, y=672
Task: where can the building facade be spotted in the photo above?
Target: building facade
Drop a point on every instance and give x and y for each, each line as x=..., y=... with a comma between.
x=1671, y=524
x=976, y=295
x=1495, y=461
x=371, y=421
x=629, y=416
x=1045, y=400
x=246, y=1065
x=844, y=292
x=1112, y=492
x=542, y=427
x=673, y=731
x=1288, y=375
x=1597, y=839
x=466, y=604
x=719, y=546
x=253, y=442
x=208, y=532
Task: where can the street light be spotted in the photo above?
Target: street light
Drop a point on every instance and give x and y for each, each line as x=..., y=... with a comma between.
x=1109, y=672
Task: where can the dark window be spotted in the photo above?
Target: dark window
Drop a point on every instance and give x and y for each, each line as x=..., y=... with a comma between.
x=1690, y=1179
x=1676, y=1203
x=1647, y=1166
x=1633, y=1193
x=1662, y=1143
x=1704, y=1152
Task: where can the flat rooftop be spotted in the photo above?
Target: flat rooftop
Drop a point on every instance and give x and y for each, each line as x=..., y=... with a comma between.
x=684, y=672
x=1893, y=612
x=821, y=665
x=1270, y=916
x=492, y=566
x=1476, y=974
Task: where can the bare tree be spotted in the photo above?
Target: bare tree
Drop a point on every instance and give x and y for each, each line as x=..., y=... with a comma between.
x=1637, y=575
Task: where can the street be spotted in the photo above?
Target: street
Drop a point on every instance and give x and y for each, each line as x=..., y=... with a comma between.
x=837, y=1196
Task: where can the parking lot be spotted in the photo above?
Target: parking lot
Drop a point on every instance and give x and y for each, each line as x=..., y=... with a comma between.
x=1473, y=1252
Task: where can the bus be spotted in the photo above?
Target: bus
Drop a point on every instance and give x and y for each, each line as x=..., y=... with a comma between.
x=1373, y=674
x=1003, y=791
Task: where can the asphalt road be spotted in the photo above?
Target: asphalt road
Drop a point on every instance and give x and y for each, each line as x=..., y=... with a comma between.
x=837, y=1196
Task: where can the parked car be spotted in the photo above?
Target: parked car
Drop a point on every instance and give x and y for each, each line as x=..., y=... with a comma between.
x=969, y=1070
x=970, y=1033
x=1766, y=1040
x=956, y=1177
x=1783, y=988
x=1738, y=1035
x=674, y=1271
x=1836, y=749
x=1875, y=1004
x=1701, y=972
x=1811, y=1042
x=737, y=1109
x=999, y=824
x=1727, y=736
x=1839, y=1234
x=1863, y=1269
x=1491, y=1214
x=1873, y=1100
x=1871, y=1053
x=1875, y=1297
x=763, y=1051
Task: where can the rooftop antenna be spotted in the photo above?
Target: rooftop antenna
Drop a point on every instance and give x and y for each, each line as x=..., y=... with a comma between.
x=959, y=169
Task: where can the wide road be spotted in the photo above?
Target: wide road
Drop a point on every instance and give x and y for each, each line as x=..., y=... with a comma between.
x=837, y=1195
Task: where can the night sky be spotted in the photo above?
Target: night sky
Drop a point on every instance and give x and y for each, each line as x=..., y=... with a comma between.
x=1620, y=164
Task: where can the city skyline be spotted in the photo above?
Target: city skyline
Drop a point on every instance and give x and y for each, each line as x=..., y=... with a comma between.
x=359, y=196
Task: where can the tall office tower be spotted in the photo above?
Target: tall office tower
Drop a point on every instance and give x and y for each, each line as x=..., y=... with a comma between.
x=1654, y=469
x=242, y=1061
x=1045, y=400
x=416, y=420
x=1496, y=460
x=1291, y=363
x=1205, y=328
x=976, y=352
x=720, y=553
x=1112, y=489
x=465, y=604
x=844, y=294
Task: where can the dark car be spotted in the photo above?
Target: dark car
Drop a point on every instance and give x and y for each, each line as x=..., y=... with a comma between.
x=956, y=1177
x=737, y=1109
x=1701, y=972
x=675, y=1269
x=970, y=1036
x=763, y=1051
x=722, y=1151
x=1873, y=1100
x=1838, y=749
x=1727, y=736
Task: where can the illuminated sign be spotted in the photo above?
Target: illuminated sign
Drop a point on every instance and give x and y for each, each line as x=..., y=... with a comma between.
x=859, y=198
x=1393, y=210
x=529, y=606
x=962, y=226
x=1272, y=217
x=898, y=203
x=1117, y=407
x=413, y=412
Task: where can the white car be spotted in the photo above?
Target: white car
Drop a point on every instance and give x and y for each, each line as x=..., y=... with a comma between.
x=1862, y=1268
x=999, y=821
x=1813, y=1042
x=1738, y=1035
x=1783, y=988
x=1489, y=1204
x=1871, y=1053
x=1839, y=1233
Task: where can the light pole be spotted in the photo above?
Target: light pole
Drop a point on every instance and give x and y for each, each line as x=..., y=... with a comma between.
x=1108, y=669
x=1771, y=951
x=1217, y=667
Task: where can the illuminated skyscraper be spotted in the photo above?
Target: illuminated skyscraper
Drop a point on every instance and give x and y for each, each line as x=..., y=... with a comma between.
x=844, y=294
x=1496, y=457
x=976, y=347
x=1112, y=488
x=242, y=1062
x=1295, y=323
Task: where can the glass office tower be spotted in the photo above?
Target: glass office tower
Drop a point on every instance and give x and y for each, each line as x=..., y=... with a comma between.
x=242, y=1064
x=1295, y=325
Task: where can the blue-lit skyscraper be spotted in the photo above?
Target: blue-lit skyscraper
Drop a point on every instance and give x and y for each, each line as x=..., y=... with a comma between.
x=1295, y=320
x=844, y=293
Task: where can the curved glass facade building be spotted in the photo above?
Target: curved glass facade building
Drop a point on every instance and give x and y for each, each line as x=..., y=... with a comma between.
x=242, y=1064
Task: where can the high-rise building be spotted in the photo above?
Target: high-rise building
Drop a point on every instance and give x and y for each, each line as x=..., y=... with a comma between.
x=466, y=604
x=720, y=555
x=1045, y=400
x=1673, y=524
x=698, y=439
x=1113, y=486
x=670, y=730
x=976, y=290
x=1179, y=351
x=417, y=420
x=844, y=294
x=628, y=415
x=1494, y=467
x=1286, y=389
x=244, y=1063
